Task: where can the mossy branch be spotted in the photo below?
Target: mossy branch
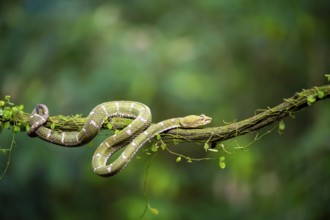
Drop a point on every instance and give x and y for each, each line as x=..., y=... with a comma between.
x=18, y=120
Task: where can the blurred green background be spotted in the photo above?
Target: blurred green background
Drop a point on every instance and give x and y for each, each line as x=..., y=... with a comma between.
x=222, y=58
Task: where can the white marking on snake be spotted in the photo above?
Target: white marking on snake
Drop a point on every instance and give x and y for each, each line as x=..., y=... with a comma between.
x=132, y=105
x=117, y=106
x=123, y=156
x=162, y=124
x=48, y=134
x=129, y=132
x=142, y=119
x=172, y=120
x=94, y=124
x=109, y=168
x=145, y=132
x=105, y=110
x=114, y=137
x=133, y=143
x=107, y=144
x=91, y=113
x=98, y=155
x=63, y=136
x=84, y=130
x=77, y=137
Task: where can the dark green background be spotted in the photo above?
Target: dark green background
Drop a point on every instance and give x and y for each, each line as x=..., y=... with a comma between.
x=222, y=58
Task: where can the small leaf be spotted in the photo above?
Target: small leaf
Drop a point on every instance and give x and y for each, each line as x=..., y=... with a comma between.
x=311, y=99
x=206, y=146
x=154, y=148
x=163, y=146
x=189, y=160
x=52, y=126
x=21, y=108
x=27, y=127
x=320, y=94
x=222, y=165
x=281, y=126
x=154, y=211
x=158, y=137
x=2, y=103
x=178, y=159
x=6, y=125
x=7, y=113
x=213, y=150
x=109, y=126
x=16, y=129
x=7, y=98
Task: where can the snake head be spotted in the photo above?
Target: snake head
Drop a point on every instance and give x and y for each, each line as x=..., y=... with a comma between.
x=194, y=121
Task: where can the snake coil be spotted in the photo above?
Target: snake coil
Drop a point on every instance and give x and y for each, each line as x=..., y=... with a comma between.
x=136, y=134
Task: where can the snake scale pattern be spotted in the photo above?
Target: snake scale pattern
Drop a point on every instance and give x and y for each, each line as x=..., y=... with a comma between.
x=132, y=137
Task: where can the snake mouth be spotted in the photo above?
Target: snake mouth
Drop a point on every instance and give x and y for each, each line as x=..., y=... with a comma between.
x=205, y=119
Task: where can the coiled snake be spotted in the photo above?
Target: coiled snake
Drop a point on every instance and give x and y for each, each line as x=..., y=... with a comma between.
x=135, y=134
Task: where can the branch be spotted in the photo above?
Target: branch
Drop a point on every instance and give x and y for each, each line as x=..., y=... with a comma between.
x=18, y=120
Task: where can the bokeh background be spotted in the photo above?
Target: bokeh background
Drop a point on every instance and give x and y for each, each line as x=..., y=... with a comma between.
x=226, y=59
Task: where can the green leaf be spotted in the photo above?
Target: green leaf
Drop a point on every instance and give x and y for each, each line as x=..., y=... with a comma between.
x=52, y=126
x=320, y=94
x=281, y=126
x=163, y=146
x=153, y=211
x=109, y=126
x=27, y=127
x=158, y=137
x=16, y=129
x=7, y=113
x=222, y=165
x=21, y=108
x=2, y=103
x=7, y=100
x=6, y=125
x=154, y=148
x=178, y=159
x=311, y=99
x=206, y=146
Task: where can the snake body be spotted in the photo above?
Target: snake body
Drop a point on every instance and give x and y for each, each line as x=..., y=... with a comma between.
x=136, y=134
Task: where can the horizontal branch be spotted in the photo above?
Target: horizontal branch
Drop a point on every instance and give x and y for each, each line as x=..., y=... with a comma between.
x=288, y=107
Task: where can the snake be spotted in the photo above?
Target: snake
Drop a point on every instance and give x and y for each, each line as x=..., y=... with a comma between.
x=132, y=137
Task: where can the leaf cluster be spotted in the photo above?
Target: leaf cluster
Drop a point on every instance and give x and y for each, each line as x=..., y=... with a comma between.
x=9, y=114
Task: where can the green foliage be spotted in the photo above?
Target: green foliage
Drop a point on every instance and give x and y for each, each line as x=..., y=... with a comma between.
x=281, y=126
x=9, y=113
x=222, y=163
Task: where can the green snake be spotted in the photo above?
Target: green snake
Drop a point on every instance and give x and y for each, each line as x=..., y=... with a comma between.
x=136, y=134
